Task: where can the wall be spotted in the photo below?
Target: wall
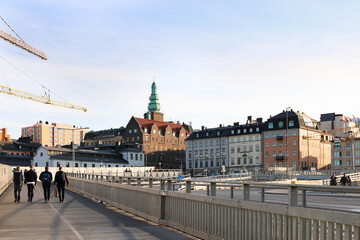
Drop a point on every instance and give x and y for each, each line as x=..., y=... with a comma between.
x=5, y=177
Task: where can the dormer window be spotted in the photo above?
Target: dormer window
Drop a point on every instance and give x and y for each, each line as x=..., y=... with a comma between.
x=207, y=134
x=291, y=123
x=145, y=130
x=281, y=124
x=232, y=131
x=130, y=131
x=271, y=125
x=218, y=133
x=197, y=135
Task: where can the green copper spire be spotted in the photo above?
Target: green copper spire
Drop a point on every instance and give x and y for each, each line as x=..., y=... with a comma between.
x=154, y=105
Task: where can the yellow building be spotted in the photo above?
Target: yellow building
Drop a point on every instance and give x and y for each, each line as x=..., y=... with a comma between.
x=54, y=134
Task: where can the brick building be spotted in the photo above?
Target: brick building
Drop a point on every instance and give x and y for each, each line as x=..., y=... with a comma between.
x=292, y=139
x=162, y=142
x=3, y=135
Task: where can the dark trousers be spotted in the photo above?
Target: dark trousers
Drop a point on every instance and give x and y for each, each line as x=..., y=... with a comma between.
x=46, y=187
x=61, y=191
x=17, y=191
x=30, y=191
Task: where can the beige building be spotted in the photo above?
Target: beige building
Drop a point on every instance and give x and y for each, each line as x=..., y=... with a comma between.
x=54, y=134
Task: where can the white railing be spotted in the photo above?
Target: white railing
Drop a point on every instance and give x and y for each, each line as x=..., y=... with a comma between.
x=209, y=217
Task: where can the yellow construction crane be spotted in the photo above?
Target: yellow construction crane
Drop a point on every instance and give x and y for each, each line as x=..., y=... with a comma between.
x=18, y=93
x=42, y=99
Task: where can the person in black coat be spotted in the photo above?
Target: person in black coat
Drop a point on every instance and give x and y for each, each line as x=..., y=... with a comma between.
x=30, y=180
x=17, y=180
x=59, y=182
x=46, y=178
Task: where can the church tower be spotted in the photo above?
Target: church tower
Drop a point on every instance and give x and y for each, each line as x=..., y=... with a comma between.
x=154, y=106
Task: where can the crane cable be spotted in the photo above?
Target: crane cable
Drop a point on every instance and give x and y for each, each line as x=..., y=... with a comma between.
x=11, y=28
x=47, y=94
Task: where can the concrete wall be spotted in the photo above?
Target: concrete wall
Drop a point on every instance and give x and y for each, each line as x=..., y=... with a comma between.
x=5, y=177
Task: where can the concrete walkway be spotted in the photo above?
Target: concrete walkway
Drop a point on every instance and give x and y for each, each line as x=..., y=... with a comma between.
x=77, y=218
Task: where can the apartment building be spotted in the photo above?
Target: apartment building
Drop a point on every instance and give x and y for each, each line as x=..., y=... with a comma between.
x=54, y=134
x=293, y=139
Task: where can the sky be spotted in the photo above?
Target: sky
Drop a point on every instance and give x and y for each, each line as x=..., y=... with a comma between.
x=214, y=62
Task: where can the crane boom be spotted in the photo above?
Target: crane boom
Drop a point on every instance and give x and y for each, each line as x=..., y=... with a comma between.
x=22, y=44
x=37, y=98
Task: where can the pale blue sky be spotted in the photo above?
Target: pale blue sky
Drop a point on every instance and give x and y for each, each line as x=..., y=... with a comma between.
x=213, y=61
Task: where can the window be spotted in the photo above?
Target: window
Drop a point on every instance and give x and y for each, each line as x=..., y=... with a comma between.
x=36, y=164
x=93, y=165
x=76, y=164
x=232, y=131
x=238, y=149
x=266, y=135
x=41, y=154
x=274, y=134
x=294, y=142
x=238, y=131
x=135, y=130
x=270, y=125
x=274, y=154
x=294, y=153
x=251, y=130
x=281, y=124
x=131, y=156
x=257, y=129
x=291, y=124
x=244, y=131
x=218, y=133
x=357, y=153
x=232, y=150
x=67, y=164
x=348, y=153
x=154, y=131
x=347, y=145
x=337, y=154
x=267, y=165
x=294, y=133
x=58, y=164
x=130, y=131
x=266, y=154
x=274, y=144
x=280, y=154
x=280, y=164
x=294, y=164
x=337, y=162
x=85, y=164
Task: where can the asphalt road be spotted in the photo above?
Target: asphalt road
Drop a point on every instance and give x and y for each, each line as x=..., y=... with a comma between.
x=77, y=218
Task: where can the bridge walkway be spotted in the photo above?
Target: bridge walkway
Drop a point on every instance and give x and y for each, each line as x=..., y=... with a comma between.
x=76, y=218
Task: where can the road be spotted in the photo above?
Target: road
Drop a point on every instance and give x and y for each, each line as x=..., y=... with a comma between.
x=77, y=218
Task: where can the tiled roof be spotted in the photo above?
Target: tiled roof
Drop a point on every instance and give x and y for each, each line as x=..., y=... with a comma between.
x=161, y=125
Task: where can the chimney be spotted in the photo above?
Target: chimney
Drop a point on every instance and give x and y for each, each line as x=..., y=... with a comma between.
x=259, y=120
x=220, y=125
x=236, y=123
x=202, y=128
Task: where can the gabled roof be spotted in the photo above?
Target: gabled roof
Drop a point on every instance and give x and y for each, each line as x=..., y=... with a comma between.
x=161, y=125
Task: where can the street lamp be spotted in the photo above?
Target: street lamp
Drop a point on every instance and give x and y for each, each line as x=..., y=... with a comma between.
x=73, y=142
x=286, y=140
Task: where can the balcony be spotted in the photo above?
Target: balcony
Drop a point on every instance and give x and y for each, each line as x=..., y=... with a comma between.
x=279, y=158
x=279, y=137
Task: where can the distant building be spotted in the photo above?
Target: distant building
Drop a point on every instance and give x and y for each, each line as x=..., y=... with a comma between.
x=345, y=150
x=3, y=135
x=162, y=142
x=60, y=156
x=17, y=153
x=113, y=136
x=292, y=139
x=54, y=134
x=233, y=147
x=134, y=156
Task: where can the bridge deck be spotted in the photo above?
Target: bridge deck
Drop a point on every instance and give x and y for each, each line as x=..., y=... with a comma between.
x=76, y=218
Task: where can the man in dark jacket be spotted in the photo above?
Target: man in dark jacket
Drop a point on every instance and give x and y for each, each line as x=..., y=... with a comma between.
x=60, y=179
x=344, y=180
x=30, y=180
x=46, y=178
x=17, y=180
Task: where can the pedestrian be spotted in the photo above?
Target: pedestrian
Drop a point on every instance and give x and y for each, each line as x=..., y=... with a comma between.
x=17, y=180
x=46, y=178
x=333, y=180
x=30, y=180
x=349, y=181
x=344, y=180
x=60, y=179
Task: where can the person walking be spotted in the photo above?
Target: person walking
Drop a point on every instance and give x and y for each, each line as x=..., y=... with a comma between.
x=344, y=180
x=348, y=181
x=17, y=180
x=60, y=180
x=333, y=180
x=46, y=178
x=30, y=180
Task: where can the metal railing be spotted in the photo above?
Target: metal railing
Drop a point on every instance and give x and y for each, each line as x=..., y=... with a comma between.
x=353, y=176
x=210, y=217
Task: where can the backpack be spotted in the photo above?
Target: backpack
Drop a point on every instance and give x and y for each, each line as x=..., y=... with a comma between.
x=46, y=177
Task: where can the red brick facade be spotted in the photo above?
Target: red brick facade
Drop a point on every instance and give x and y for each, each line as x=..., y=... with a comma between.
x=155, y=136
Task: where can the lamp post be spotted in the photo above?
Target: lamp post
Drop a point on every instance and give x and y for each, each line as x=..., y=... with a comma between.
x=286, y=141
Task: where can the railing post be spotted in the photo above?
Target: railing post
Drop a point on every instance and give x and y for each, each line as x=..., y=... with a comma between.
x=188, y=186
x=213, y=189
x=304, y=198
x=113, y=179
x=151, y=181
x=169, y=185
x=162, y=185
x=246, y=192
x=232, y=192
x=129, y=181
x=139, y=182
x=208, y=190
x=293, y=196
x=262, y=194
x=120, y=180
